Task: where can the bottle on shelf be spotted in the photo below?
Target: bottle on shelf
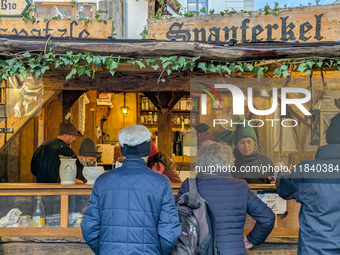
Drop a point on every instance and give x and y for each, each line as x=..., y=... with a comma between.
x=142, y=119
x=150, y=120
x=143, y=103
x=146, y=103
x=155, y=117
x=38, y=213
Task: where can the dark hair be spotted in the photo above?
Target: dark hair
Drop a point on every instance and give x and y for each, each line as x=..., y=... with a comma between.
x=160, y=157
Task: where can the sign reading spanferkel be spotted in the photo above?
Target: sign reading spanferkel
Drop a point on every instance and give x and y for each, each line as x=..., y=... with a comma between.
x=13, y=8
x=308, y=24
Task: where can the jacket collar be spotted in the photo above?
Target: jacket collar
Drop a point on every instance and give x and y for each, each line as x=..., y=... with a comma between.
x=133, y=162
x=328, y=151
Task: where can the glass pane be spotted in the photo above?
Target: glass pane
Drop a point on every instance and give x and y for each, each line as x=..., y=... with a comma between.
x=45, y=11
x=201, y=5
x=63, y=10
x=20, y=211
x=192, y=7
x=85, y=11
x=77, y=206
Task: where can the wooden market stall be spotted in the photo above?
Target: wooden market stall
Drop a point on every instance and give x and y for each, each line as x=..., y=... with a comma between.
x=205, y=54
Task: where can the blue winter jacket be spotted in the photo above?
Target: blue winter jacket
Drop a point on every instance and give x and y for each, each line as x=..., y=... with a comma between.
x=131, y=211
x=316, y=185
x=230, y=200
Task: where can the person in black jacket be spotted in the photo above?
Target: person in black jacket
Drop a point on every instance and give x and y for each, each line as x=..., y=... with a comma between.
x=250, y=164
x=316, y=185
x=45, y=162
x=230, y=200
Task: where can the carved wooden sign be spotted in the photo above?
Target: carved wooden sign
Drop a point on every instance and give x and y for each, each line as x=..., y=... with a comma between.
x=57, y=28
x=308, y=24
x=13, y=8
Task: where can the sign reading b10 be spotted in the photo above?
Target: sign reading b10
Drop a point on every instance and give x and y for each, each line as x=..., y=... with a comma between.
x=13, y=8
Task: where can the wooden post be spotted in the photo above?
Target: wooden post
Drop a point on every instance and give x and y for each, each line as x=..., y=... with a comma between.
x=64, y=211
x=165, y=132
x=165, y=101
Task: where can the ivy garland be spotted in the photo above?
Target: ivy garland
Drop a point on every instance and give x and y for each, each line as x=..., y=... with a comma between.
x=82, y=64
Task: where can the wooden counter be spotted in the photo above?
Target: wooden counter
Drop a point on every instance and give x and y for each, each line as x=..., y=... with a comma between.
x=286, y=226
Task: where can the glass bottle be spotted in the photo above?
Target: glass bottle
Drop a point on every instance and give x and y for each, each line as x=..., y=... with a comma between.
x=25, y=221
x=143, y=103
x=38, y=213
x=146, y=104
x=155, y=117
x=150, y=118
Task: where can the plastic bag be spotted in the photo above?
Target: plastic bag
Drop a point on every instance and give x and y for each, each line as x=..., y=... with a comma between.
x=25, y=96
x=11, y=219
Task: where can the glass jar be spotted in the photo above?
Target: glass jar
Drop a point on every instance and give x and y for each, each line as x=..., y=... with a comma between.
x=142, y=119
x=25, y=221
x=188, y=103
x=183, y=104
x=193, y=119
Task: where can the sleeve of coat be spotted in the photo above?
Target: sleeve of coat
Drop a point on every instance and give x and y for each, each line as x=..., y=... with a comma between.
x=184, y=189
x=90, y=224
x=169, y=228
x=264, y=216
x=286, y=186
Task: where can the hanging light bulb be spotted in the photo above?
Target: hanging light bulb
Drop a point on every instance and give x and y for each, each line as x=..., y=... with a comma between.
x=124, y=109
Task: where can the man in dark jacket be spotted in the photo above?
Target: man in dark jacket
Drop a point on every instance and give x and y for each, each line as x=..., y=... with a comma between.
x=230, y=200
x=316, y=185
x=45, y=161
x=132, y=209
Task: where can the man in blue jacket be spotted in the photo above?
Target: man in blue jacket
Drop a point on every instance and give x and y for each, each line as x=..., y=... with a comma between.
x=132, y=208
x=316, y=185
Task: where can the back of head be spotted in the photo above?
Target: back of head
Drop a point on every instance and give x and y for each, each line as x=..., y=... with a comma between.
x=333, y=131
x=243, y=131
x=135, y=141
x=215, y=153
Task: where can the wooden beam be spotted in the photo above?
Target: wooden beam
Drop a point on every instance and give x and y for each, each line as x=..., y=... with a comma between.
x=19, y=123
x=156, y=49
x=145, y=81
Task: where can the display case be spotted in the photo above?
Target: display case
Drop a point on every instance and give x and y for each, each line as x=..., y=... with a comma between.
x=63, y=205
x=68, y=200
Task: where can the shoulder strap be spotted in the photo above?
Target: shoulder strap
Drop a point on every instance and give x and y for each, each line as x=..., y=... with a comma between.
x=192, y=185
x=213, y=225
